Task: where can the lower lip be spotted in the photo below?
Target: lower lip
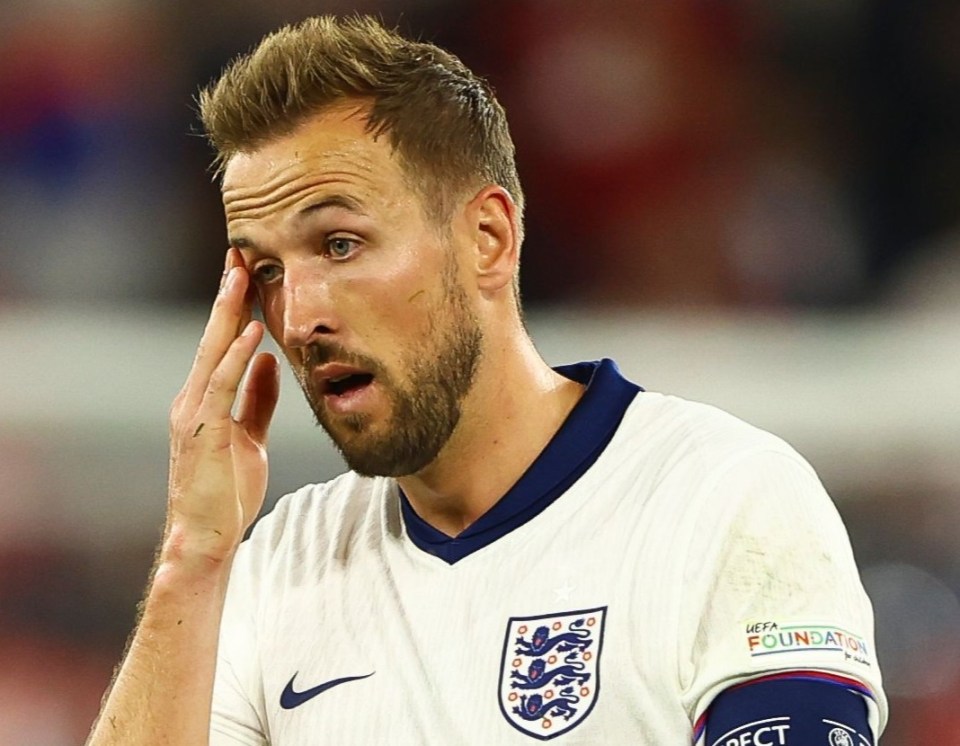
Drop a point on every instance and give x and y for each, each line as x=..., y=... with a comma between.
x=352, y=401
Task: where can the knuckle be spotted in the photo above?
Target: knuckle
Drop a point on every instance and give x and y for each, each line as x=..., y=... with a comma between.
x=181, y=429
x=216, y=382
x=221, y=382
x=222, y=299
x=176, y=405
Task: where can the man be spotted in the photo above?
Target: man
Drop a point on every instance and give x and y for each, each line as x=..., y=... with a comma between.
x=517, y=553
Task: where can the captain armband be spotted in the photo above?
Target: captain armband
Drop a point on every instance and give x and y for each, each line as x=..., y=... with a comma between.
x=797, y=708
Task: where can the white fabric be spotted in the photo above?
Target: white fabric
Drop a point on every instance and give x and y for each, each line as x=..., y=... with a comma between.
x=689, y=527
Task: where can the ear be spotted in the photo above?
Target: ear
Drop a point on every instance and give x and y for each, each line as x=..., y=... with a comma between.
x=494, y=226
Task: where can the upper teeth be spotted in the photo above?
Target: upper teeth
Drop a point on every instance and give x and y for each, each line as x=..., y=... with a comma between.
x=338, y=379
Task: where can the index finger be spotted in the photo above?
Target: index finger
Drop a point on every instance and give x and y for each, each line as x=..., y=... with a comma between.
x=250, y=296
x=222, y=328
x=235, y=259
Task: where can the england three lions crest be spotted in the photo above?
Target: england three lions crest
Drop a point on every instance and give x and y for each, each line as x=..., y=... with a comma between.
x=550, y=671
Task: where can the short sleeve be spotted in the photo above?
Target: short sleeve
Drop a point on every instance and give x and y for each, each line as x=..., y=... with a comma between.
x=772, y=585
x=238, y=702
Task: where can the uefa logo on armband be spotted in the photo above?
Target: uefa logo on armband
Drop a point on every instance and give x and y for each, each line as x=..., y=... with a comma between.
x=840, y=737
x=550, y=671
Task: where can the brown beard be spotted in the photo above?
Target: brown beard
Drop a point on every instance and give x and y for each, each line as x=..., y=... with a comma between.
x=424, y=412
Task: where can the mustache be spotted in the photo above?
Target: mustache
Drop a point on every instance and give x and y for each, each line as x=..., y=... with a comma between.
x=320, y=353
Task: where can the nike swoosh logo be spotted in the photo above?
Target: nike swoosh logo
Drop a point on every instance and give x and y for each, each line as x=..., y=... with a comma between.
x=290, y=698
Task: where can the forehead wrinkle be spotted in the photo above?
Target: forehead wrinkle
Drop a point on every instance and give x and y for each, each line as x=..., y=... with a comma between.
x=285, y=188
x=253, y=208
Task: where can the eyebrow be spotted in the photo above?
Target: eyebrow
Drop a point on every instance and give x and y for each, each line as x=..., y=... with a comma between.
x=341, y=201
x=241, y=243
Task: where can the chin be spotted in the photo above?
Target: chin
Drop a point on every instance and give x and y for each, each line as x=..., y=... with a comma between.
x=367, y=466
x=385, y=457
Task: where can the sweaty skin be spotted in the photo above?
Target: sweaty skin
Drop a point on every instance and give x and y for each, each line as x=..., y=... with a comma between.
x=342, y=252
x=323, y=232
x=344, y=261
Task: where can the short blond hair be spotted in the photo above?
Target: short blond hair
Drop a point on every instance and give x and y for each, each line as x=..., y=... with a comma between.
x=444, y=122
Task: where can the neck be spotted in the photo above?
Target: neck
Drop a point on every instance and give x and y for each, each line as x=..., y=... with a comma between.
x=515, y=407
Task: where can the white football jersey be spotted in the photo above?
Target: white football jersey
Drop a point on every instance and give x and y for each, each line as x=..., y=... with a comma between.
x=657, y=552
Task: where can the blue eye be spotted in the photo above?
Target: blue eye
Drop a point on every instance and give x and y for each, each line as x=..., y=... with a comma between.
x=266, y=273
x=340, y=247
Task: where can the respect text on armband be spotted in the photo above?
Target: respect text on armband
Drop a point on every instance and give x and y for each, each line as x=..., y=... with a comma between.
x=768, y=732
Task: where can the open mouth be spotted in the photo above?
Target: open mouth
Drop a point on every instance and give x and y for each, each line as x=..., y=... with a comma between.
x=345, y=384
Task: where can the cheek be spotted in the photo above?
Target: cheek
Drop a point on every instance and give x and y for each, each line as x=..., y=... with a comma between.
x=272, y=306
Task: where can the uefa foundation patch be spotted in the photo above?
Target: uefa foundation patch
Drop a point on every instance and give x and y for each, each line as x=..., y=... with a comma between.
x=774, y=638
x=550, y=671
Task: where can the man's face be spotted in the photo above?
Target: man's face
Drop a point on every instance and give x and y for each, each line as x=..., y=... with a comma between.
x=362, y=293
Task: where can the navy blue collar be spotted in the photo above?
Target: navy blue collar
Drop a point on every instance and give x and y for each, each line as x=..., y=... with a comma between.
x=575, y=447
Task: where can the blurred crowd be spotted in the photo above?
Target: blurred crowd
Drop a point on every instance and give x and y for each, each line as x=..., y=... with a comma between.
x=695, y=154
x=690, y=152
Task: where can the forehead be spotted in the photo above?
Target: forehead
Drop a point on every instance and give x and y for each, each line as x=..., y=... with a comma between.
x=332, y=147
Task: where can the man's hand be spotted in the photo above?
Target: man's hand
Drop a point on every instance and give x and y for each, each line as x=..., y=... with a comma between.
x=218, y=458
x=218, y=476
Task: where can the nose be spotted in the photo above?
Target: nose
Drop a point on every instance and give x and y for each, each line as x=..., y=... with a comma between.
x=307, y=307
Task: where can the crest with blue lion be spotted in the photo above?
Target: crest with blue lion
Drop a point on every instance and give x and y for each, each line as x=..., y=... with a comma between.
x=549, y=672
